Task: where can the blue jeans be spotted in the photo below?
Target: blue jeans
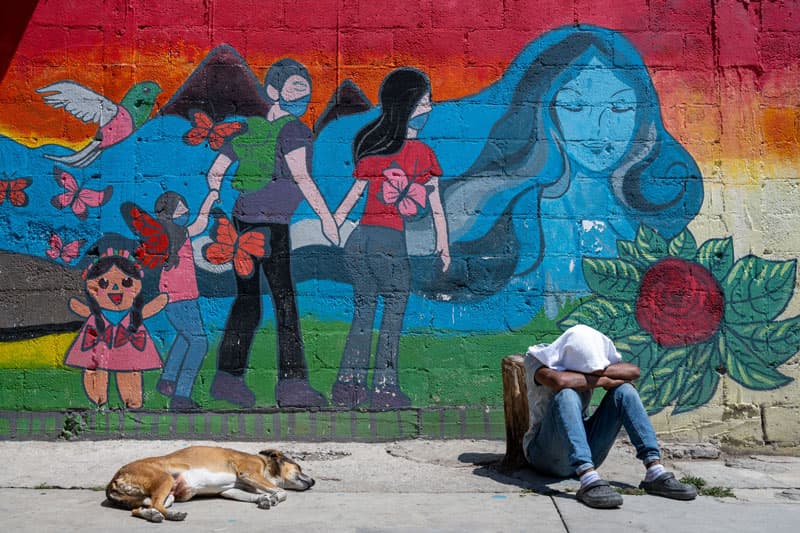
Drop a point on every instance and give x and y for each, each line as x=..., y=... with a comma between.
x=189, y=348
x=567, y=445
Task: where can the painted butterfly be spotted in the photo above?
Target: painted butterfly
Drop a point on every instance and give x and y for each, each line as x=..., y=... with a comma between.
x=65, y=252
x=14, y=190
x=203, y=128
x=153, y=249
x=408, y=196
x=229, y=246
x=78, y=198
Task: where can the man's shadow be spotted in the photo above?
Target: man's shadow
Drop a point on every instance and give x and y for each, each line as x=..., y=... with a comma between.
x=522, y=475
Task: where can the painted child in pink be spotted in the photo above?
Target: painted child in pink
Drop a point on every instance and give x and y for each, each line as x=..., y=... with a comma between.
x=179, y=281
x=114, y=337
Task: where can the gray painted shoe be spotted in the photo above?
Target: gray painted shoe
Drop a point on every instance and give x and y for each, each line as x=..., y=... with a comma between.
x=180, y=403
x=348, y=394
x=233, y=389
x=599, y=495
x=166, y=387
x=667, y=486
x=389, y=398
x=298, y=393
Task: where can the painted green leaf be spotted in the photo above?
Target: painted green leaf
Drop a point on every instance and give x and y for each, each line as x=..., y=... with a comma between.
x=648, y=393
x=773, y=343
x=717, y=256
x=638, y=349
x=757, y=290
x=662, y=389
x=752, y=374
x=700, y=378
x=650, y=244
x=613, y=318
x=674, y=358
x=665, y=381
x=627, y=251
x=698, y=391
x=612, y=278
x=683, y=245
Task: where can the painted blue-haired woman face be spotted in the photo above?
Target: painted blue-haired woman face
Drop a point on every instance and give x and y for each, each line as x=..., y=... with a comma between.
x=596, y=116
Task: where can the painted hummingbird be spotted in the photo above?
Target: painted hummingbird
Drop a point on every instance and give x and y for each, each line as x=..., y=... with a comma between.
x=116, y=121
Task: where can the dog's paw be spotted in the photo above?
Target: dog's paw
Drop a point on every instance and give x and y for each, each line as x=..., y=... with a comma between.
x=150, y=514
x=266, y=501
x=176, y=516
x=280, y=495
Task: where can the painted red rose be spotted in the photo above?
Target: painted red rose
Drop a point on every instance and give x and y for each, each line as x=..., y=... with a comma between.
x=680, y=303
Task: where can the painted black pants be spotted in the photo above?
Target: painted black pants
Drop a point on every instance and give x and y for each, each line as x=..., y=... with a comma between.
x=245, y=314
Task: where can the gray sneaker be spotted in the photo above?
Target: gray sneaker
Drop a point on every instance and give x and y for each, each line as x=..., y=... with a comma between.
x=233, y=389
x=291, y=392
x=599, y=495
x=667, y=486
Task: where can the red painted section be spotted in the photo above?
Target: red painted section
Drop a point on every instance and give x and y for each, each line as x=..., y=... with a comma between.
x=14, y=17
x=691, y=47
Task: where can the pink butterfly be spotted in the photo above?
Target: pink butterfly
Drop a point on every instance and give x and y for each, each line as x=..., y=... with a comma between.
x=67, y=252
x=407, y=195
x=78, y=198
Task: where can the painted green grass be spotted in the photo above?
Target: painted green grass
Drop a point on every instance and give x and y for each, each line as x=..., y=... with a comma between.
x=436, y=369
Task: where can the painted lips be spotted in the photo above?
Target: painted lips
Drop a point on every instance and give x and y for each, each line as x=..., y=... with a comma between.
x=116, y=298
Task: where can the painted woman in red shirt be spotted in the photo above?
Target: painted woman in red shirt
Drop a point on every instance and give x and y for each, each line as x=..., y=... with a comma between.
x=400, y=175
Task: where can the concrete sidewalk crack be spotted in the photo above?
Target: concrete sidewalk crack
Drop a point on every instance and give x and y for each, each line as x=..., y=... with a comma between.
x=560, y=516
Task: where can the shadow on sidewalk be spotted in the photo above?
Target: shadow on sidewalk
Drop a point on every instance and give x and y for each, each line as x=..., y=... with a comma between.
x=526, y=478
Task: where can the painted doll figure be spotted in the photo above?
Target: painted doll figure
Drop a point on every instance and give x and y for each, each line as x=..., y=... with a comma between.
x=179, y=281
x=272, y=176
x=400, y=175
x=114, y=337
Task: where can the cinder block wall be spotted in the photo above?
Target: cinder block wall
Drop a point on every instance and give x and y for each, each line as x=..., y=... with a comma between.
x=629, y=165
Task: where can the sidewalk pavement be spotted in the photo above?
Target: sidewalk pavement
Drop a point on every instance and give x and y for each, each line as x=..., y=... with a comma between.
x=411, y=485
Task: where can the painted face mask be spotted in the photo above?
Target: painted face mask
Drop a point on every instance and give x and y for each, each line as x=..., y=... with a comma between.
x=181, y=220
x=295, y=107
x=418, y=122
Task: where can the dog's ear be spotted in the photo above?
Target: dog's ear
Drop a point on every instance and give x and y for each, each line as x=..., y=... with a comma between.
x=275, y=455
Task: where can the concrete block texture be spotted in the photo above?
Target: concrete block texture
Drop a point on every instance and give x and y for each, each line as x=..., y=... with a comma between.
x=336, y=217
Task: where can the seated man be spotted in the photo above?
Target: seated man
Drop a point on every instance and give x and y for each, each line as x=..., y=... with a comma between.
x=563, y=442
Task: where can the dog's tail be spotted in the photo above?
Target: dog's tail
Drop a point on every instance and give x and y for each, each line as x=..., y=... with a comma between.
x=125, y=496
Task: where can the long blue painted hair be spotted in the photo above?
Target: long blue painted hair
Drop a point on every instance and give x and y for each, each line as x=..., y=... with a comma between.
x=657, y=182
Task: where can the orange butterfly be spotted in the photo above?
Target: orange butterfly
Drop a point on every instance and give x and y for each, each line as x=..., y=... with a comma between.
x=229, y=246
x=203, y=128
x=14, y=190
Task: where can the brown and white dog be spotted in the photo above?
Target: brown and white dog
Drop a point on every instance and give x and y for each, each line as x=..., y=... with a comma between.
x=148, y=486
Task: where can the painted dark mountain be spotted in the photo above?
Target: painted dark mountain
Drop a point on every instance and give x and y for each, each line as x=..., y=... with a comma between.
x=221, y=86
x=35, y=297
x=348, y=99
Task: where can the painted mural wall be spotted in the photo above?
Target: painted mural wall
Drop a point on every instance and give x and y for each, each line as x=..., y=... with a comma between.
x=333, y=219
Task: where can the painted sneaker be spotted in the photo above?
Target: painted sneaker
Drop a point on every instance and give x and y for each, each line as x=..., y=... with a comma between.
x=348, y=394
x=181, y=403
x=166, y=387
x=298, y=393
x=232, y=389
x=389, y=398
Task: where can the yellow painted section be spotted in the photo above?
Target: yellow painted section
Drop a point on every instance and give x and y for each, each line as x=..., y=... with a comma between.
x=41, y=352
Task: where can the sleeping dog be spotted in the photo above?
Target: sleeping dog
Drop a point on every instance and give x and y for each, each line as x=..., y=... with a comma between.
x=148, y=486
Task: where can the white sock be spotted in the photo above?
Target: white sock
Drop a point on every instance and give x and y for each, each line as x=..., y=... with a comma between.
x=654, y=471
x=589, y=477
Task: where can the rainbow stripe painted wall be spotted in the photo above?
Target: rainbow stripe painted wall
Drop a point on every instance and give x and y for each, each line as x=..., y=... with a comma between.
x=331, y=219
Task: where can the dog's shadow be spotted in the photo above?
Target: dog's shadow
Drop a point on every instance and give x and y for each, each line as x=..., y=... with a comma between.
x=491, y=465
